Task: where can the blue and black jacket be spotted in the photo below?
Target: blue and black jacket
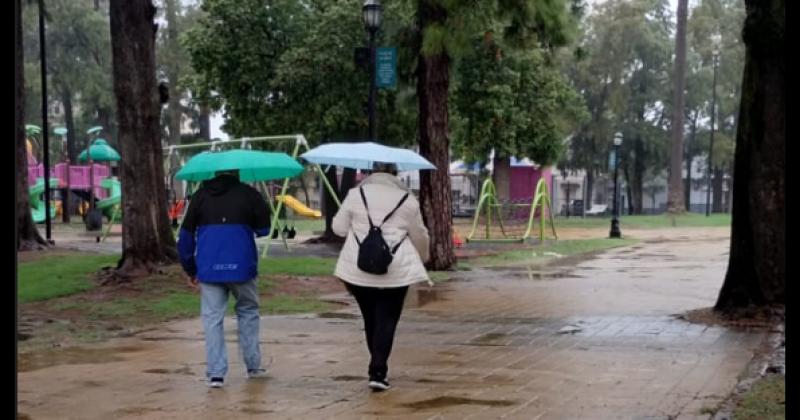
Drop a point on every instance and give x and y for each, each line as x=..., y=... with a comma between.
x=217, y=239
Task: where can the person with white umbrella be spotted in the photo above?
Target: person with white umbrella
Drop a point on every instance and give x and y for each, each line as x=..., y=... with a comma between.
x=384, y=252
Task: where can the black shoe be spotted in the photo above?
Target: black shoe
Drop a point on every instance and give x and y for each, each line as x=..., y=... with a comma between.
x=379, y=385
x=215, y=382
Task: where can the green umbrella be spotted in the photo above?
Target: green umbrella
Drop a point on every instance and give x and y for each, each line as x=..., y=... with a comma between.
x=253, y=165
x=95, y=129
x=32, y=130
x=60, y=131
x=101, y=152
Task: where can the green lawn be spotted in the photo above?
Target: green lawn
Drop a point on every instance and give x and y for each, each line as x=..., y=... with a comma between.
x=648, y=221
x=542, y=253
x=58, y=275
x=765, y=401
x=297, y=266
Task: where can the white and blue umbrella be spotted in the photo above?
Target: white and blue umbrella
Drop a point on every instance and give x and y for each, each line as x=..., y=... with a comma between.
x=364, y=155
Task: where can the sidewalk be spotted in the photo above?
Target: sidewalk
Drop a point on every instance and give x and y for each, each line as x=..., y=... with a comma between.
x=592, y=341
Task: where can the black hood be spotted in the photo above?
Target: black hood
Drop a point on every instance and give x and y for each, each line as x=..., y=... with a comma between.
x=221, y=184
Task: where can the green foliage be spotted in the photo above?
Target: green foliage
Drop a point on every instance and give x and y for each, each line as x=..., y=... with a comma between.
x=281, y=67
x=513, y=102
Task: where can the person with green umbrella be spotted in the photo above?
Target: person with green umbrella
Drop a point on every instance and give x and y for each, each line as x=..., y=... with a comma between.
x=217, y=247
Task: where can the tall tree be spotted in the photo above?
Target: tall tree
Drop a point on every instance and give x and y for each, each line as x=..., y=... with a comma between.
x=27, y=236
x=147, y=239
x=675, y=198
x=444, y=29
x=515, y=103
x=757, y=264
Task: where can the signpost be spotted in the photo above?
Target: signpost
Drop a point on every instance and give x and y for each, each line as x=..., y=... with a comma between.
x=386, y=67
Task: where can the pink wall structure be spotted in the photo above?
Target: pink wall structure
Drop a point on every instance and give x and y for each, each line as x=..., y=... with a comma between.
x=79, y=176
x=524, y=180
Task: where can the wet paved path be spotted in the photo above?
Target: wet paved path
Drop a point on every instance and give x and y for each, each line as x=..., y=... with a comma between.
x=594, y=340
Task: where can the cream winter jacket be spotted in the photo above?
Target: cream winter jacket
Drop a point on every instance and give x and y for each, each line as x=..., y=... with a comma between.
x=383, y=192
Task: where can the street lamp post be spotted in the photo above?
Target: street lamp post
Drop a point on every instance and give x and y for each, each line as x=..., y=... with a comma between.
x=615, y=232
x=372, y=15
x=715, y=40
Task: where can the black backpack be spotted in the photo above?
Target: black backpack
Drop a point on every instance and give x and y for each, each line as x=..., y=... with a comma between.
x=374, y=254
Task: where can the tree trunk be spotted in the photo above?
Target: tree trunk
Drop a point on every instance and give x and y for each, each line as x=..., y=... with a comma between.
x=348, y=182
x=329, y=207
x=27, y=236
x=689, y=161
x=589, y=190
x=757, y=264
x=729, y=196
x=72, y=153
x=675, y=195
x=501, y=177
x=433, y=79
x=205, y=122
x=716, y=193
x=636, y=185
x=147, y=238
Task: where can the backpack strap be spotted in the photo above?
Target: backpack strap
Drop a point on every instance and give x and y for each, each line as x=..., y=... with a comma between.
x=391, y=213
x=364, y=199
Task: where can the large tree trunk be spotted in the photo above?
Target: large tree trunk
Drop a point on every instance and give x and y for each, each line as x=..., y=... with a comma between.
x=501, y=176
x=757, y=263
x=675, y=195
x=147, y=238
x=729, y=195
x=27, y=236
x=716, y=194
x=433, y=79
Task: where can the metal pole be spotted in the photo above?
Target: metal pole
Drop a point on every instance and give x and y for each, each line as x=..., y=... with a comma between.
x=711, y=139
x=45, y=129
x=615, y=232
x=372, y=93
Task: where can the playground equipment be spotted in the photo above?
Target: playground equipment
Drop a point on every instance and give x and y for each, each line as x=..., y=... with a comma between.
x=515, y=220
x=37, y=204
x=275, y=205
x=110, y=206
x=298, y=207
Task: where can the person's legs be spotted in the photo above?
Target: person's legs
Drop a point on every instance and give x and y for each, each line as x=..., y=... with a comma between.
x=389, y=305
x=248, y=320
x=213, y=302
x=366, y=303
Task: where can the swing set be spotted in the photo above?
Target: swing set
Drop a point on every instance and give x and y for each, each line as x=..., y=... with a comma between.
x=276, y=195
x=511, y=221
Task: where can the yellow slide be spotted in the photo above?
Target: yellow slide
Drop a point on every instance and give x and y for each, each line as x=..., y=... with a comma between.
x=298, y=207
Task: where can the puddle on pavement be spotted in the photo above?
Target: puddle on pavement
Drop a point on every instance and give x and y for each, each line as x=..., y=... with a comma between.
x=72, y=356
x=337, y=315
x=443, y=402
x=489, y=337
x=253, y=411
x=426, y=296
x=428, y=381
x=347, y=378
x=299, y=335
x=23, y=416
x=186, y=370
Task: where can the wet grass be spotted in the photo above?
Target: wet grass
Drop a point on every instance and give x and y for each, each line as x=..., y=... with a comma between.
x=765, y=401
x=657, y=221
x=542, y=253
x=60, y=275
x=298, y=266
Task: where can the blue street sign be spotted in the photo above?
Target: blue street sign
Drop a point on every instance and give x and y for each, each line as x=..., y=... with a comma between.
x=386, y=67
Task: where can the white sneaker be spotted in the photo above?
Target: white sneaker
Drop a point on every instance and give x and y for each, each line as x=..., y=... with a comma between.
x=377, y=385
x=215, y=382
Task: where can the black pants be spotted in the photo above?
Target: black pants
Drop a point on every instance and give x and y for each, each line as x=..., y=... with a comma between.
x=381, y=310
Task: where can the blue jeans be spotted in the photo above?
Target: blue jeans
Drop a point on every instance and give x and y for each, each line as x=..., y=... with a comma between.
x=213, y=304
